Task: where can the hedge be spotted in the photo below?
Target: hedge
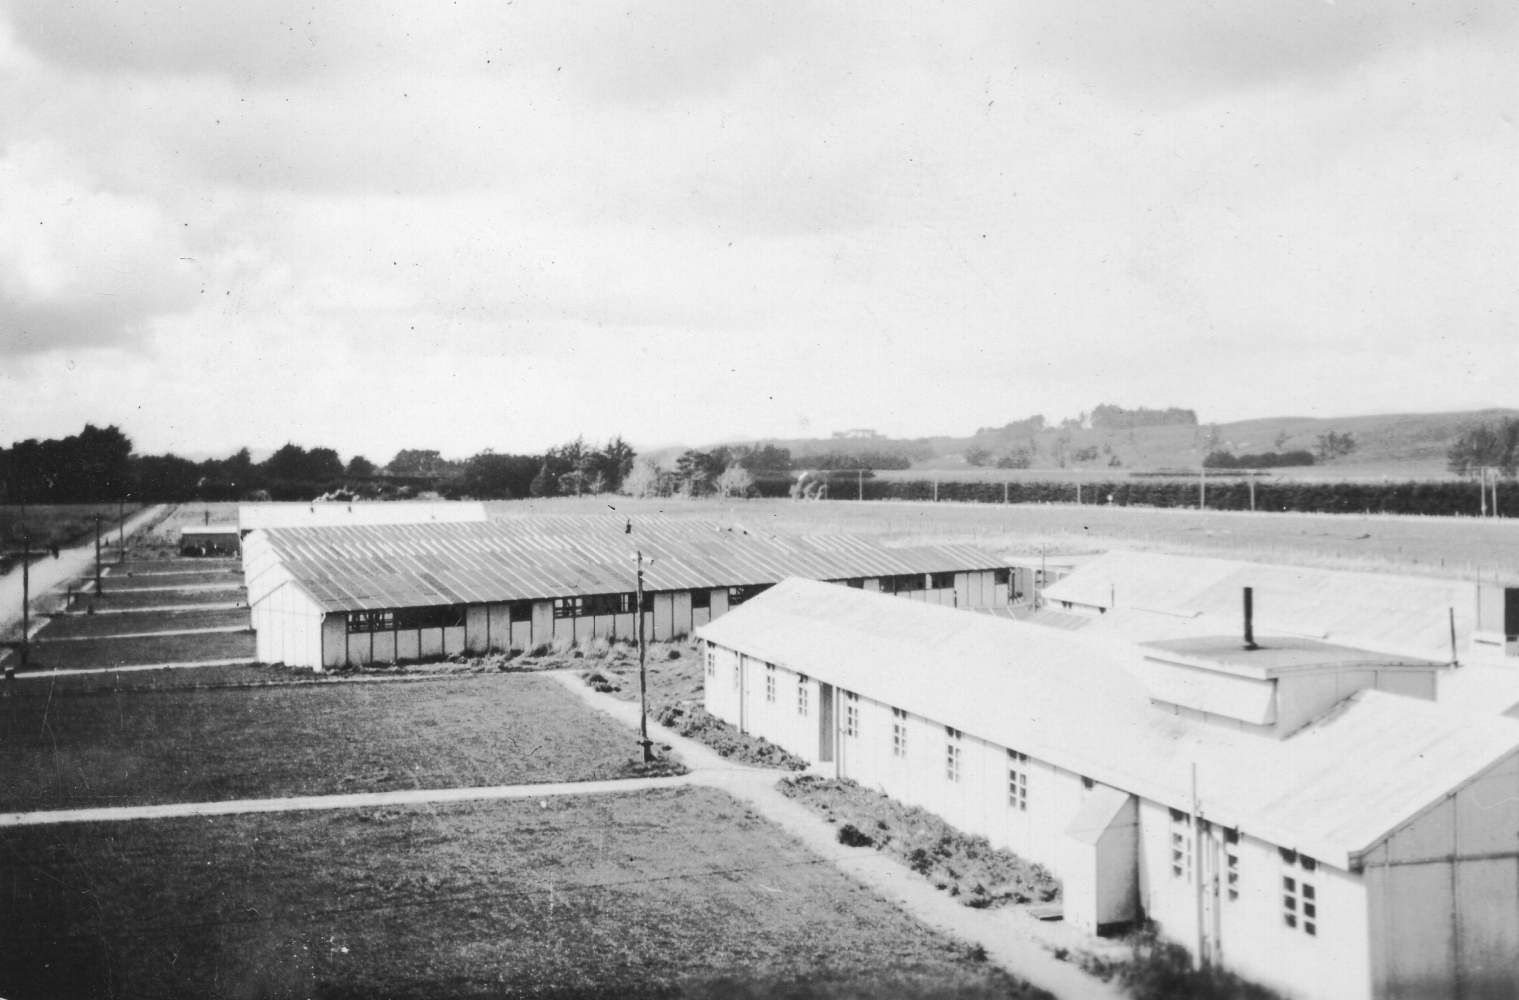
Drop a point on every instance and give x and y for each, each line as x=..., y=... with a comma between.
x=1446, y=499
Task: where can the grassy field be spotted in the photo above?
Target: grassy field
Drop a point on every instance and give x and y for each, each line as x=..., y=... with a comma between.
x=72, y=626
x=87, y=653
x=1423, y=545
x=157, y=598
x=668, y=893
x=116, y=747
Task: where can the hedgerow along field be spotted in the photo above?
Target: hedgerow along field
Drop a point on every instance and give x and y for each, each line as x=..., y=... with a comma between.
x=108, y=747
x=669, y=893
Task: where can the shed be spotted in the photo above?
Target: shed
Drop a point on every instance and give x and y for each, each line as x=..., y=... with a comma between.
x=209, y=540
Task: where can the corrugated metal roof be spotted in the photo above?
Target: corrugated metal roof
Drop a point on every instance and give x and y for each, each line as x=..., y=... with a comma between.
x=390, y=566
x=1332, y=790
x=317, y=513
x=1398, y=614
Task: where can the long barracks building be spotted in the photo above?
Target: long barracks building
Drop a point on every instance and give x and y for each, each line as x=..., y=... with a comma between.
x=337, y=596
x=1298, y=811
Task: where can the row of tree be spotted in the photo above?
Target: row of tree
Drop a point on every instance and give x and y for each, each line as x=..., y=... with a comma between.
x=98, y=465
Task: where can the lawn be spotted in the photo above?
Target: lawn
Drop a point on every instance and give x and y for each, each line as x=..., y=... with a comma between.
x=677, y=892
x=210, y=577
x=161, y=598
x=117, y=747
x=70, y=626
x=87, y=653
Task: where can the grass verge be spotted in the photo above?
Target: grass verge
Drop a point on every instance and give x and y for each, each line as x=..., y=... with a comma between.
x=107, y=748
x=100, y=626
x=967, y=867
x=672, y=893
x=87, y=653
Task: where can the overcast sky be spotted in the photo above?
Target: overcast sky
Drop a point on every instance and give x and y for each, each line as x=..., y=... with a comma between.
x=505, y=224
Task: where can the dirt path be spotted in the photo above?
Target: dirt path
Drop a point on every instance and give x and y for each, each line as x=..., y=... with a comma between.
x=1009, y=936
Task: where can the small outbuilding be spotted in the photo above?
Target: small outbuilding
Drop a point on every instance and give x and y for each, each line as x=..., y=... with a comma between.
x=209, y=540
x=1300, y=812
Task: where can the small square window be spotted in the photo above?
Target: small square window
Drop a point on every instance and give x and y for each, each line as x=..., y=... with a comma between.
x=1310, y=929
x=1291, y=920
x=1307, y=891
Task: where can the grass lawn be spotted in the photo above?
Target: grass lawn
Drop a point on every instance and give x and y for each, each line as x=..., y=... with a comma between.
x=148, y=649
x=168, y=678
x=173, y=578
x=678, y=892
x=70, y=626
x=109, y=747
x=115, y=600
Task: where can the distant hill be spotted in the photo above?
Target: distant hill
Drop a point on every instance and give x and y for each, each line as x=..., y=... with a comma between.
x=1402, y=445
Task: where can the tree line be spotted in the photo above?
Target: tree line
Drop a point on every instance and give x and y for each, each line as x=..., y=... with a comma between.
x=99, y=465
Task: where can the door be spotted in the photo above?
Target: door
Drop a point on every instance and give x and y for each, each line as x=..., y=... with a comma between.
x=826, y=725
x=1210, y=863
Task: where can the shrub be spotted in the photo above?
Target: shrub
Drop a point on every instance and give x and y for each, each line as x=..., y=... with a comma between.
x=851, y=836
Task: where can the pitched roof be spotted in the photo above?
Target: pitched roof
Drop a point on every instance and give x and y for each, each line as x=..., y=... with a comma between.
x=1333, y=789
x=1154, y=594
x=415, y=565
x=252, y=516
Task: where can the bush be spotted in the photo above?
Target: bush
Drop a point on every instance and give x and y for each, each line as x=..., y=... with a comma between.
x=851, y=836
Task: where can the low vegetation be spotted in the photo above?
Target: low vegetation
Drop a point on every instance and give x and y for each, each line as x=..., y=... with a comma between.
x=672, y=893
x=965, y=866
x=1164, y=970
x=116, y=746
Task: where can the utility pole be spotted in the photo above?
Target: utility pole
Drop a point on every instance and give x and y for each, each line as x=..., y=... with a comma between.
x=1252, y=490
x=860, y=480
x=643, y=684
x=1078, y=493
x=1197, y=872
x=1004, y=491
x=97, y=554
x=26, y=596
x=1454, y=660
x=1202, y=487
x=121, y=530
x=1483, y=488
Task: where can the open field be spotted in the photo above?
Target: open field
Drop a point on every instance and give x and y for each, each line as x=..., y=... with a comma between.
x=1424, y=545
x=87, y=653
x=120, y=747
x=77, y=626
x=172, y=597
x=667, y=893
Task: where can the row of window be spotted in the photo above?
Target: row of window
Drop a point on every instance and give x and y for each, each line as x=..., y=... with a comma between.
x=1300, y=903
x=405, y=619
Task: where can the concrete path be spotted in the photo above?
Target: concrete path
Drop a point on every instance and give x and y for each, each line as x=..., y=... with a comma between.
x=355, y=800
x=147, y=635
x=1010, y=937
x=32, y=675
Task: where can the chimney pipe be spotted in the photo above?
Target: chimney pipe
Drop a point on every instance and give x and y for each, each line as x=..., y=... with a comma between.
x=1250, y=618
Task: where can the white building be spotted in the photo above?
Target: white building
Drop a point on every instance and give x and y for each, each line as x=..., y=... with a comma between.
x=1348, y=837
x=342, y=596
x=328, y=514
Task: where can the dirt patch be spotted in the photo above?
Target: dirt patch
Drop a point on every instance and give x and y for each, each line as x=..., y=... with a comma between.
x=965, y=866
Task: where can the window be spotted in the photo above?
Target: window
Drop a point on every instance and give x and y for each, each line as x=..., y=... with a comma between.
x=851, y=715
x=648, y=602
x=1002, y=576
x=942, y=581
x=711, y=660
x=898, y=733
x=1181, y=845
x=1300, y=898
x=902, y=584
x=857, y=583
x=1231, y=863
x=1017, y=780
x=445, y=616
x=738, y=595
x=801, y=694
x=371, y=621
x=701, y=600
x=952, y=754
x=520, y=611
x=590, y=605
x=770, y=682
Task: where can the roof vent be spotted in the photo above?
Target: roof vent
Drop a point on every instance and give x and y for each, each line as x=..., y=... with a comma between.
x=1250, y=618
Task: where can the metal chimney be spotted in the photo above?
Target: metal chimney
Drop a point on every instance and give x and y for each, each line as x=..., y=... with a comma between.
x=1250, y=618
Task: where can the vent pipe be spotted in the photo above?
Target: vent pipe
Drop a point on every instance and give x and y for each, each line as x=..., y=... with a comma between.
x=1250, y=618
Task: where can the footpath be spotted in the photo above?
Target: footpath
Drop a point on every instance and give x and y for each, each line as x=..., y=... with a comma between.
x=1009, y=936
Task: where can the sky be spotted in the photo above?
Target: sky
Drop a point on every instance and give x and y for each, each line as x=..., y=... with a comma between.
x=502, y=225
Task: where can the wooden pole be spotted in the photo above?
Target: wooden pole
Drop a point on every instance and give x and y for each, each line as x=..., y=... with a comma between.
x=1197, y=870
x=26, y=596
x=643, y=683
x=1454, y=660
x=1252, y=492
x=1202, y=488
x=121, y=530
x=860, y=481
x=97, y=553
